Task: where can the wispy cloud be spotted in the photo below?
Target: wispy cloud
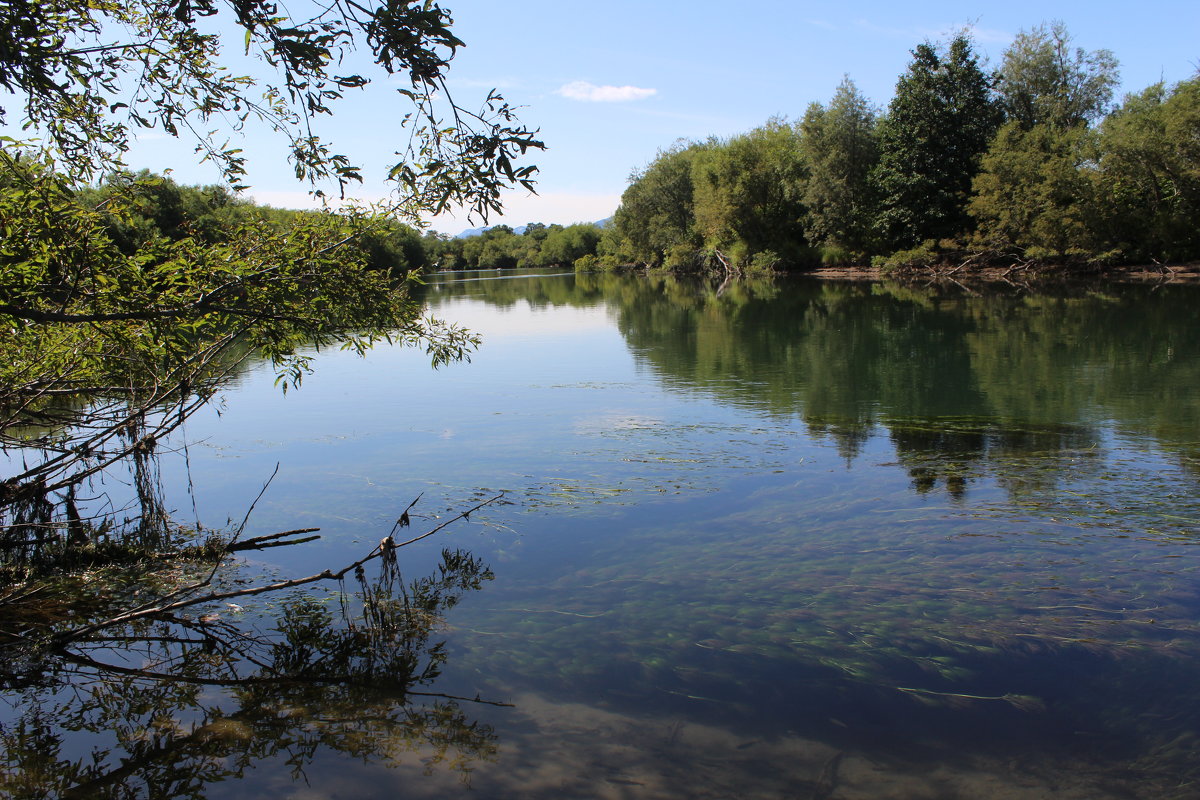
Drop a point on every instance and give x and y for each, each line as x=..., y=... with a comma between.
x=485, y=83
x=946, y=32
x=591, y=93
x=989, y=35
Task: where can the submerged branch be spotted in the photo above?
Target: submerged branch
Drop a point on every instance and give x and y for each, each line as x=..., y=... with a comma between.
x=167, y=604
x=273, y=540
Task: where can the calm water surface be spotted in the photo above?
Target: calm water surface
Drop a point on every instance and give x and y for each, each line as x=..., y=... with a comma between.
x=790, y=539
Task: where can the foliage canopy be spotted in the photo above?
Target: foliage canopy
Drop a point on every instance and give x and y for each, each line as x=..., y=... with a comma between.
x=937, y=127
x=1026, y=165
x=1043, y=81
x=841, y=145
x=123, y=300
x=90, y=74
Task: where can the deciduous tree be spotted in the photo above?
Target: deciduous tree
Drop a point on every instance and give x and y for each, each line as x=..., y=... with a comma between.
x=1043, y=81
x=749, y=195
x=1150, y=168
x=1035, y=194
x=657, y=209
x=840, y=146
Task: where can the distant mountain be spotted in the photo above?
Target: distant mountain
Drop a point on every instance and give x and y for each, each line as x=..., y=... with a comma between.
x=467, y=234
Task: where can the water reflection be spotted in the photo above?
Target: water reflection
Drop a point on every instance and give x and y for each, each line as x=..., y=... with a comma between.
x=941, y=369
x=765, y=539
x=177, y=703
x=1007, y=599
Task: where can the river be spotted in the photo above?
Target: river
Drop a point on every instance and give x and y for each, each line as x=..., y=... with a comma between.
x=770, y=539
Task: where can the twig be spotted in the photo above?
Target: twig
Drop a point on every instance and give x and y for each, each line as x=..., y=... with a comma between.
x=260, y=542
x=250, y=510
x=461, y=515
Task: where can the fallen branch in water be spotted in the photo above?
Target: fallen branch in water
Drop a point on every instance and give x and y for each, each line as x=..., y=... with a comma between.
x=263, y=542
x=168, y=604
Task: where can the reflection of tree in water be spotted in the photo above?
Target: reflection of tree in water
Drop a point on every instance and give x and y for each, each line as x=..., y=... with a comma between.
x=505, y=291
x=67, y=448
x=168, y=705
x=963, y=382
x=124, y=678
x=953, y=452
x=959, y=379
x=1010, y=385
x=163, y=686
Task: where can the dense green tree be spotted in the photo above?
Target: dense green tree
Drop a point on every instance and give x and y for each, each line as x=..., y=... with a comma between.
x=496, y=254
x=158, y=206
x=839, y=143
x=536, y=231
x=392, y=246
x=1150, y=168
x=657, y=210
x=495, y=248
x=749, y=197
x=1043, y=81
x=936, y=130
x=501, y=247
x=565, y=246
x=1035, y=193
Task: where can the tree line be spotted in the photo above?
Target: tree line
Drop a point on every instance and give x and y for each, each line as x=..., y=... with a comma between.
x=137, y=208
x=501, y=247
x=1030, y=163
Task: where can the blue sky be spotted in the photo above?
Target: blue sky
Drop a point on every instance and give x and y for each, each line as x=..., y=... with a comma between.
x=609, y=84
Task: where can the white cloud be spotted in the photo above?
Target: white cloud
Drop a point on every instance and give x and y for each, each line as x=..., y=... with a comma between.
x=590, y=93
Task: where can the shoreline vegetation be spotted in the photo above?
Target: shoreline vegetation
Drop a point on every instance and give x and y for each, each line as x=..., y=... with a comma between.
x=131, y=210
x=1029, y=169
x=1033, y=273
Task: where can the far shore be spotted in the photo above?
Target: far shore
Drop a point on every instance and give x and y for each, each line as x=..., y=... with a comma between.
x=1179, y=273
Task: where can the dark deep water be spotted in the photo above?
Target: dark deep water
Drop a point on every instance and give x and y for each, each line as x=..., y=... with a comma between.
x=790, y=539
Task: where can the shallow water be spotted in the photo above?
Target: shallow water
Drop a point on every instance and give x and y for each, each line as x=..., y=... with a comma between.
x=790, y=539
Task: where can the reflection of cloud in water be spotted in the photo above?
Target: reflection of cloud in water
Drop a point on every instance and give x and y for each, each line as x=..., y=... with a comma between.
x=521, y=319
x=554, y=750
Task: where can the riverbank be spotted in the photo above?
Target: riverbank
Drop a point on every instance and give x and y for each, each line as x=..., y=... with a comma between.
x=1181, y=273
